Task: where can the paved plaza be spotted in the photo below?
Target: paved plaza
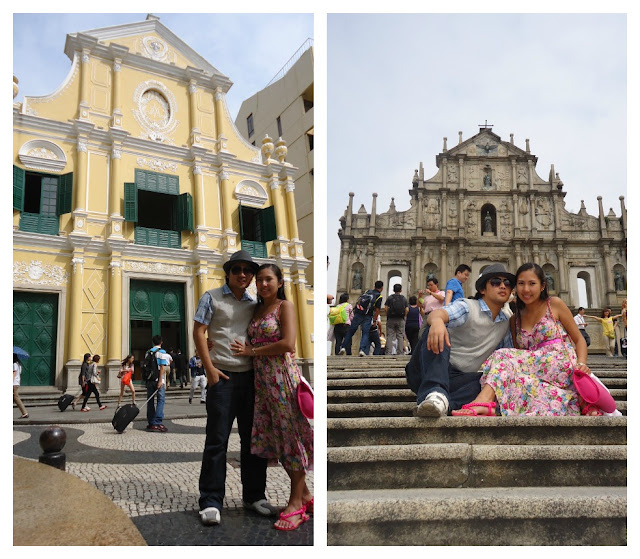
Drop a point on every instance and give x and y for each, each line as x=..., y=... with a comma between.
x=153, y=477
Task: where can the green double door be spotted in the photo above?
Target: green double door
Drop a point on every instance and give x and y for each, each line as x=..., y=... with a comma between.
x=35, y=329
x=155, y=308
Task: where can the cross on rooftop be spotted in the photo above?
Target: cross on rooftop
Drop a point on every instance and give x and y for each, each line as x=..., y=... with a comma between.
x=485, y=125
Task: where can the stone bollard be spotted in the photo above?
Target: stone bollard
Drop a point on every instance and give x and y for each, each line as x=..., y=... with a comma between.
x=52, y=440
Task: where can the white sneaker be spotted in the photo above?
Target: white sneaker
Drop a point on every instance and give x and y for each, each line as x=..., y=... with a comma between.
x=434, y=405
x=263, y=507
x=342, y=351
x=210, y=516
x=362, y=354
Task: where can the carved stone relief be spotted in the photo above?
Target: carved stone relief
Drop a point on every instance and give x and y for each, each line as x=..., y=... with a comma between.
x=37, y=273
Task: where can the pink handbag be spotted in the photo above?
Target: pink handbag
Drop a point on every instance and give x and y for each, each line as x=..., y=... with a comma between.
x=591, y=391
x=305, y=398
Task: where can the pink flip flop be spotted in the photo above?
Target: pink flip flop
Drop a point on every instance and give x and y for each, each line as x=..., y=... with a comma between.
x=467, y=409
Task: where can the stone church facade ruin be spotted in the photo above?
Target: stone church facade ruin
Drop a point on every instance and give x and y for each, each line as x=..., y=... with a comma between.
x=486, y=204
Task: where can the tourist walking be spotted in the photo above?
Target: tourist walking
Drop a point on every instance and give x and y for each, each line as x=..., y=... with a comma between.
x=155, y=360
x=366, y=311
x=17, y=371
x=198, y=378
x=82, y=379
x=396, y=308
x=125, y=375
x=342, y=321
x=92, y=380
x=281, y=433
x=413, y=322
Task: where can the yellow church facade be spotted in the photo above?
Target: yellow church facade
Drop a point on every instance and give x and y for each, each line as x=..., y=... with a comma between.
x=131, y=188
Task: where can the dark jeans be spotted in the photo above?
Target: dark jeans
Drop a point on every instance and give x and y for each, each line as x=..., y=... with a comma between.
x=374, y=338
x=412, y=336
x=363, y=321
x=91, y=389
x=226, y=401
x=427, y=372
x=339, y=331
x=586, y=337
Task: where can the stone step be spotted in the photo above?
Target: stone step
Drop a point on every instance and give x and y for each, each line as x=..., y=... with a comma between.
x=404, y=395
x=478, y=516
x=466, y=465
x=528, y=430
x=395, y=409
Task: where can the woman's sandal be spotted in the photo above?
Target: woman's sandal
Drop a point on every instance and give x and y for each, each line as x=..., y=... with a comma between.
x=25, y=416
x=467, y=409
x=285, y=518
x=308, y=506
x=591, y=408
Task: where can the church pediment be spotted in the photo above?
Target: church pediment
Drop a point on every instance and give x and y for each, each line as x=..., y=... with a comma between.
x=484, y=144
x=149, y=39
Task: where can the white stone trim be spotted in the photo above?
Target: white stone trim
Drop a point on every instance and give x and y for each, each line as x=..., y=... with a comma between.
x=251, y=193
x=155, y=131
x=42, y=155
x=35, y=273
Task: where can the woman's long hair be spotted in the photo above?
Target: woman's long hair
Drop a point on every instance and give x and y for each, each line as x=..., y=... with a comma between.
x=544, y=294
x=16, y=359
x=605, y=311
x=280, y=294
x=126, y=359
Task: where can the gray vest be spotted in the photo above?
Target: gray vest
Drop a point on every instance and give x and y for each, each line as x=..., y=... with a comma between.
x=476, y=339
x=230, y=322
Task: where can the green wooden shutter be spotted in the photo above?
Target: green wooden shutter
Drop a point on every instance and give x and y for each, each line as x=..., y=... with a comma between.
x=130, y=201
x=65, y=194
x=185, y=212
x=268, y=224
x=18, y=188
x=240, y=218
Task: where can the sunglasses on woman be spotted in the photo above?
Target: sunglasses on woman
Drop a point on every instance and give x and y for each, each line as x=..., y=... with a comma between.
x=497, y=282
x=236, y=270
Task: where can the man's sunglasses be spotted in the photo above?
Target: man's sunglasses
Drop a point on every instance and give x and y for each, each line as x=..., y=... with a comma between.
x=236, y=270
x=497, y=282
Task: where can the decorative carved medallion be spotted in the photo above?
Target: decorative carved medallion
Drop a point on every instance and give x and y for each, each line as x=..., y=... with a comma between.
x=37, y=273
x=158, y=268
x=155, y=110
x=157, y=164
x=42, y=155
x=154, y=48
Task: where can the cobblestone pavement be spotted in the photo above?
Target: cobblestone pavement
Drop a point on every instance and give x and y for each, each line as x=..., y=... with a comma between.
x=153, y=477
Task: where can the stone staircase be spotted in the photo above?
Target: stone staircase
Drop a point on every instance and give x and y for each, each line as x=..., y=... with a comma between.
x=395, y=479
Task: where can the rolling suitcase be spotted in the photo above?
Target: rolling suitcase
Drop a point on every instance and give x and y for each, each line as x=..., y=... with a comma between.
x=126, y=414
x=65, y=400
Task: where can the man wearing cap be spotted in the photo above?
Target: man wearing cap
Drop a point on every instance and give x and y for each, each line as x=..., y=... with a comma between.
x=223, y=315
x=443, y=371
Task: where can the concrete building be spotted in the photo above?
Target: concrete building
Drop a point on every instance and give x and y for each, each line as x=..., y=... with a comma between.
x=131, y=188
x=284, y=109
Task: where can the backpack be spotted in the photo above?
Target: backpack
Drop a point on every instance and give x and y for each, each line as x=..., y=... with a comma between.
x=396, y=305
x=338, y=314
x=150, y=369
x=367, y=301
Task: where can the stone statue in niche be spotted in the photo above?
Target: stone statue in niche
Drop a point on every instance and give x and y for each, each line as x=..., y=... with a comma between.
x=522, y=174
x=486, y=181
x=619, y=282
x=488, y=223
x=551, y=284
x=357, y=279
x=453, y=212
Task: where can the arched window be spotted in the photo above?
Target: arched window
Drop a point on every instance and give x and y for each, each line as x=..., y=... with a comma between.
x=586, y=278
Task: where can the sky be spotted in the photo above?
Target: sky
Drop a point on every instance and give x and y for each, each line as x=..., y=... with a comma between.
x=249, y=49
x=398, y=83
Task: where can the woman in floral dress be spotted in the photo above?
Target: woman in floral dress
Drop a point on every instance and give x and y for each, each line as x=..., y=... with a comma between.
x=280, y=431
x=534, y=378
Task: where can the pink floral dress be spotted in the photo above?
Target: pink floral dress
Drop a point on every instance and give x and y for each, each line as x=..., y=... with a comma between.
x=536, y=380
x=280, y=431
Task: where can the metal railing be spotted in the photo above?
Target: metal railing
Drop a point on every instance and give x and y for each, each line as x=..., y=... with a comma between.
x=306, y=45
